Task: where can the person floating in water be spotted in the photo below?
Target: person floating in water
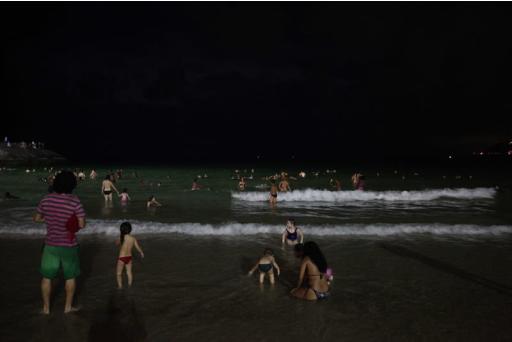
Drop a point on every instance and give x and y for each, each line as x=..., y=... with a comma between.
x=292, y=235
x=9, y=196
x=273, y=193
x=124, y=197
x=126, y=243
x=266, y=265
x=106, y=188
x=152, y=202
x=313, y=268
x=242, y=184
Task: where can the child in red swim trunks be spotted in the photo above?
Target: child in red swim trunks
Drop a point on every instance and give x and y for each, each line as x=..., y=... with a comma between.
x=126, y=243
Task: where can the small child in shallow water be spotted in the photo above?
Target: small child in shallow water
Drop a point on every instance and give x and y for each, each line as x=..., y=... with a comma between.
x=126, y=243
x=265, y=265
x=124, y=197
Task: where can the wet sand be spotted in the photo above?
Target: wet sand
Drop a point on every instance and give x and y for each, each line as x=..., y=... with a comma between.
x=195, y=288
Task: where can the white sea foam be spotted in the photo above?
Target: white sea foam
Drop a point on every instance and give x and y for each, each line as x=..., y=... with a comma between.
x=111, y=228
x=311, y=195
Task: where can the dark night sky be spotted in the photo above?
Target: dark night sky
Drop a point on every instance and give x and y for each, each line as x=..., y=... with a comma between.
x=164, y=82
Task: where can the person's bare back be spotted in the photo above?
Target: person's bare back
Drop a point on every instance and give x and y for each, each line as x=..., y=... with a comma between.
x=126, y=242
x=127, y=246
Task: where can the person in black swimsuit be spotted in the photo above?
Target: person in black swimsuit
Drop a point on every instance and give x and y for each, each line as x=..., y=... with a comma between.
x=273, y=193
x=292, y=235
x=265, y=265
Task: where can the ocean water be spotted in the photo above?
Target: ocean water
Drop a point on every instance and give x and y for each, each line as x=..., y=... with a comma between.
x=433, y=202
x=420, y=254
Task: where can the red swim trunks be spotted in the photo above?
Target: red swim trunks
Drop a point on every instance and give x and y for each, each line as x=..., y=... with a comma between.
x=126, y=259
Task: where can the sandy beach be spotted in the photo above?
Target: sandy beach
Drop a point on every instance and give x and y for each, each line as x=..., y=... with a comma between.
x=197, y=289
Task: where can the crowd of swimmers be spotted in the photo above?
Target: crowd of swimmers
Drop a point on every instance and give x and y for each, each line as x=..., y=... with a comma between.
x=276, y=183
x=64, y=216
x=280, y=182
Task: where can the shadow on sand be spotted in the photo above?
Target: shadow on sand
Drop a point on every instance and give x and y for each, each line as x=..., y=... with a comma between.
x=88, y=253
x=120, y=321
x=447, y=268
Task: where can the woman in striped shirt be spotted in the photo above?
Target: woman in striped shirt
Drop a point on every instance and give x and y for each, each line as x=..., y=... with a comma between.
x=64, y=215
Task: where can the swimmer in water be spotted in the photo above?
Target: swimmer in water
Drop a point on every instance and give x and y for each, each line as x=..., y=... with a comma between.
x=126, y=243
x=152, y=202
x=292, y=235
x=336, y=184
x=355, y=179
x=106, y=188
x=284, y=186
x=81, y=175
x=266, y=265
x=93, y=174
x=195, y=185
x=9, y=196
x=360, y=183
x=124, y=197
x=273, y=193
x=242, y=184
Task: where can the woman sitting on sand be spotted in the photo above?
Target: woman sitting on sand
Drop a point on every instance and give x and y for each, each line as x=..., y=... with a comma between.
x=313, y=268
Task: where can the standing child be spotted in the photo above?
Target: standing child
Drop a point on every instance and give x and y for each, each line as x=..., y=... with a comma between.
x=126, y=243
x=265, y=265
x=124, y=197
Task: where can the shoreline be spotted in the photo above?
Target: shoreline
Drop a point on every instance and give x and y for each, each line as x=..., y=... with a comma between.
x=188, y=289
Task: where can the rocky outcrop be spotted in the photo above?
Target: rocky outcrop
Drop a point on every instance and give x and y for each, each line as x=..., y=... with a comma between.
x=28, y=156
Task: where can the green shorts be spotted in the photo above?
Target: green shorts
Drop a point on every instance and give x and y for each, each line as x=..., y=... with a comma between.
x=53, y=257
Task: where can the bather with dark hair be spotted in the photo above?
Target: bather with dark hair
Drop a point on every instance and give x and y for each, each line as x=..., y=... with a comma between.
x=107, y=187
x=313, y=268
x=10, y=196
x=63, y=215
x=64, y=182
x=152, y=202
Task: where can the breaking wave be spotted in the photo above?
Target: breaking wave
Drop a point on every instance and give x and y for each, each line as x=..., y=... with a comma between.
x=111, y=228
x=311, y=195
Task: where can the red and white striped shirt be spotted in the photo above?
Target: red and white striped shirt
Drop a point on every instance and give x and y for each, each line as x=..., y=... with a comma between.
x=56, y=210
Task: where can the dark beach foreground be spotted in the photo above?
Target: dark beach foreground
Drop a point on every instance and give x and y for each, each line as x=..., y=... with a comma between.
x=195, y=289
